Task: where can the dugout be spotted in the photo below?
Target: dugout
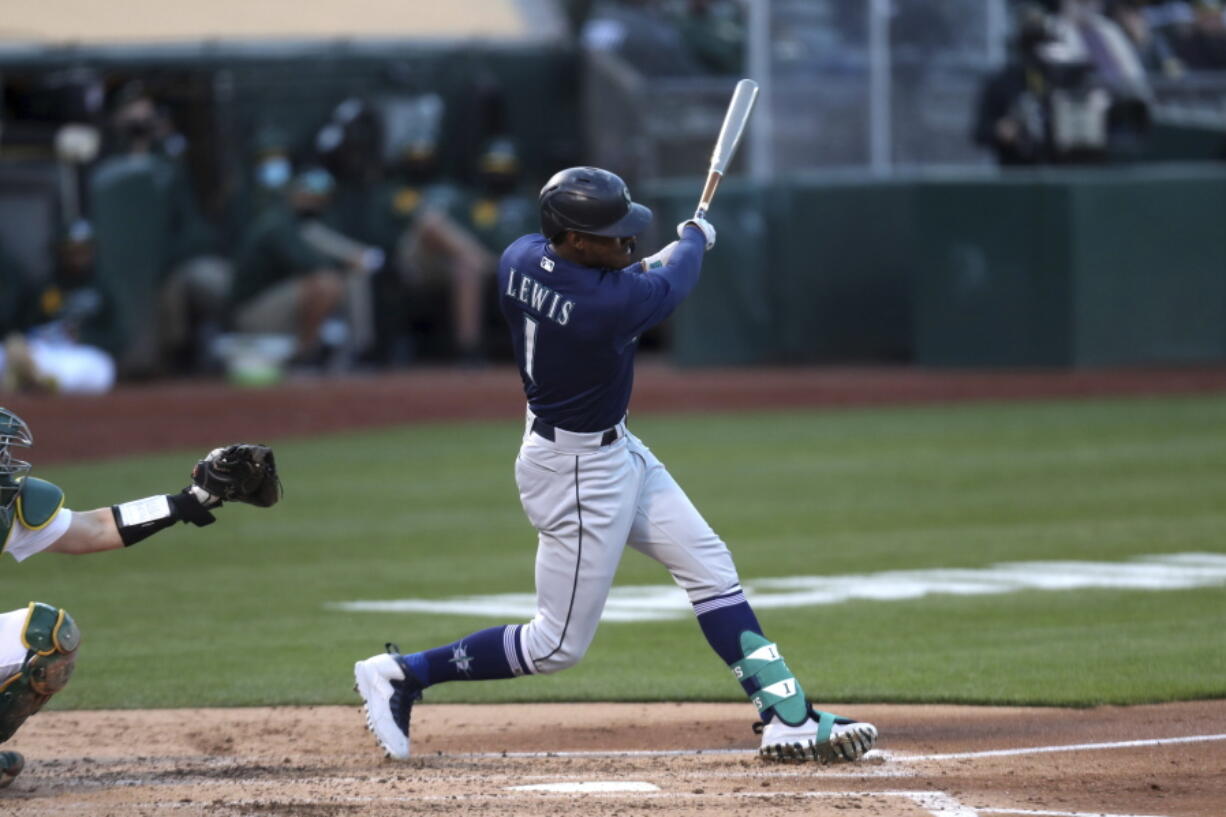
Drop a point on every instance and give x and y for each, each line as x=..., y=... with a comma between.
x=227, y=70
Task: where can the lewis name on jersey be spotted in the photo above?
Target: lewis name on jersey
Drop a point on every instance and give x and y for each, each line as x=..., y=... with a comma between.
x=538, y=297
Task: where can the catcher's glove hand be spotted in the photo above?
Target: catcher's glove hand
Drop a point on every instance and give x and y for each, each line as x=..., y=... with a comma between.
x=239, y=473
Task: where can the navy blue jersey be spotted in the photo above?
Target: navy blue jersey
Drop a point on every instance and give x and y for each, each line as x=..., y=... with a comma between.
x=575, y=329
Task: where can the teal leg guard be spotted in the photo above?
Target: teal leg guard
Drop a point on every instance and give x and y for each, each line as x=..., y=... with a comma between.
x=778, y=689
x=52, y=637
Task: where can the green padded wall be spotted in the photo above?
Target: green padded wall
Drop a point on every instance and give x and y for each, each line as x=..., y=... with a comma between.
x=1051, y=267
x=1149, y=268
x=991, y=288
x=729, y=319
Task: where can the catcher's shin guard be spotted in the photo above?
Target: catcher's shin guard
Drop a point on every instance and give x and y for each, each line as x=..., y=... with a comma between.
x=51, y=638
x=11, y=764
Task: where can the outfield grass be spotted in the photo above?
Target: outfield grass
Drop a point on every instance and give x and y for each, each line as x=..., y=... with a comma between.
x=235, y=614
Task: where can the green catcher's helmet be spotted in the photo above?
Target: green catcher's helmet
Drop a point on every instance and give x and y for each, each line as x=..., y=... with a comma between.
x=13, y=431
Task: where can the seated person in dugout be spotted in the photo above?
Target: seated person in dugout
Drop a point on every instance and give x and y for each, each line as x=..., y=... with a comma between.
x=59, y=334
x=285, y=284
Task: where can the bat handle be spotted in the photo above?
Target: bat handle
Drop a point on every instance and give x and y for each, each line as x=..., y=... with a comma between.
x=708, y=193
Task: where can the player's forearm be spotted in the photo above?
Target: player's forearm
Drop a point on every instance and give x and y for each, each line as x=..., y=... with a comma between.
x=684, y=266
x=130, y=522
x=90, y=532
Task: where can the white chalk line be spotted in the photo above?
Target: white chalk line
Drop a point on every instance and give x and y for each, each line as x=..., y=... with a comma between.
x=876, y=753
x=611, y=753
x=1074, y=747
x=938, y=804
x=425, y=776
x=1048, y=813
x=521, y=795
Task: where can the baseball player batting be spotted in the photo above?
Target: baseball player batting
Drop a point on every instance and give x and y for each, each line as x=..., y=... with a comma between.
x=38, y=643
x=576, y=308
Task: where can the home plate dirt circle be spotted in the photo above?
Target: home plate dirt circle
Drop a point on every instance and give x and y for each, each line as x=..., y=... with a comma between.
x=620, y=759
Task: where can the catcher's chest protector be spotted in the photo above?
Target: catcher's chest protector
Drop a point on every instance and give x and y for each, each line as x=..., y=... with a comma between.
x=38, y=501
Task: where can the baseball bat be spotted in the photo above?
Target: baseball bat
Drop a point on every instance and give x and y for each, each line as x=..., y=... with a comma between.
x=735, y=118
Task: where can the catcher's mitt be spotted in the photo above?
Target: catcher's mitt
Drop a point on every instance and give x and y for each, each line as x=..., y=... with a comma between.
x=240, y=473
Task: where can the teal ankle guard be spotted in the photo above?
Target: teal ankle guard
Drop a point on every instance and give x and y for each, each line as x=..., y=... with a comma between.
x=778, y=689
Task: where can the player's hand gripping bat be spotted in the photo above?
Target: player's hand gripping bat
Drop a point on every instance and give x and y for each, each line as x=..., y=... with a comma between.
x=729, y=137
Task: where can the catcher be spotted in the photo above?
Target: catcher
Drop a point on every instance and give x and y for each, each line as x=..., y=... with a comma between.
x=38, y=644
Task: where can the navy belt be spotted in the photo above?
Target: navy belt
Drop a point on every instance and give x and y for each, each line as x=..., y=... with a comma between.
x=543, y=429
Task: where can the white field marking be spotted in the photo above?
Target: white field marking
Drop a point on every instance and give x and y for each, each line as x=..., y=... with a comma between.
x=766, y=771
x=863, y=769
x=1172, y=571
x=772, y=772
x=1046, y=813
x=1074, y=747
x=613, y=753
x=914, y=796
x=940, y=804
x=588, y=786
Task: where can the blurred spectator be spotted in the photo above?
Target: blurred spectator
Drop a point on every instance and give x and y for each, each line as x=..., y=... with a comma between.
x=271, y=166
x=55, y=334
x=1054, y=103
x=294, y=275
x=713, y=31
x=1152, y=46
x=153, y=246
x=670, y=37
x=501, y=210
x=1014, y=113
x=434, y=250
x=644, y=33
x=1087, y=35
x=352, y=230
x=1198, y=35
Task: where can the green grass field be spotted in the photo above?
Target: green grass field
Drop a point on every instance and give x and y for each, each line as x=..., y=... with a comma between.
x=236, y=614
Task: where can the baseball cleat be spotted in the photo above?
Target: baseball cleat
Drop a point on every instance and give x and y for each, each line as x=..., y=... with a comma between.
x=388, y=691
x=11, y=764
x=823, y=737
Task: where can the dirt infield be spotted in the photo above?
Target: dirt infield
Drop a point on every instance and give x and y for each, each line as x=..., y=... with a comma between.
x=137, y=419
x=671, y=760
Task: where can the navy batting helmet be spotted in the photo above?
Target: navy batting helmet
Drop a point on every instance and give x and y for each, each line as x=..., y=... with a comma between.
x=590, y=200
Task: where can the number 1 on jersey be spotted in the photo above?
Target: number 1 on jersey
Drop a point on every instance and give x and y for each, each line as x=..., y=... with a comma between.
x=529, y=346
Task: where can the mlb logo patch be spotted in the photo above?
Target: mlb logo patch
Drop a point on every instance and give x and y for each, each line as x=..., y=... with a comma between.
x=547, y=264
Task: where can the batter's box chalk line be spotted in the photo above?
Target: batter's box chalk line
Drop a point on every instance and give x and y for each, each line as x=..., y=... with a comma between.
x=936, y=803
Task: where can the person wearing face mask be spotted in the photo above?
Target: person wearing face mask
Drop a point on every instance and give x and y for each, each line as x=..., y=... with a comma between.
x=284, y=282
x=271, y=167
